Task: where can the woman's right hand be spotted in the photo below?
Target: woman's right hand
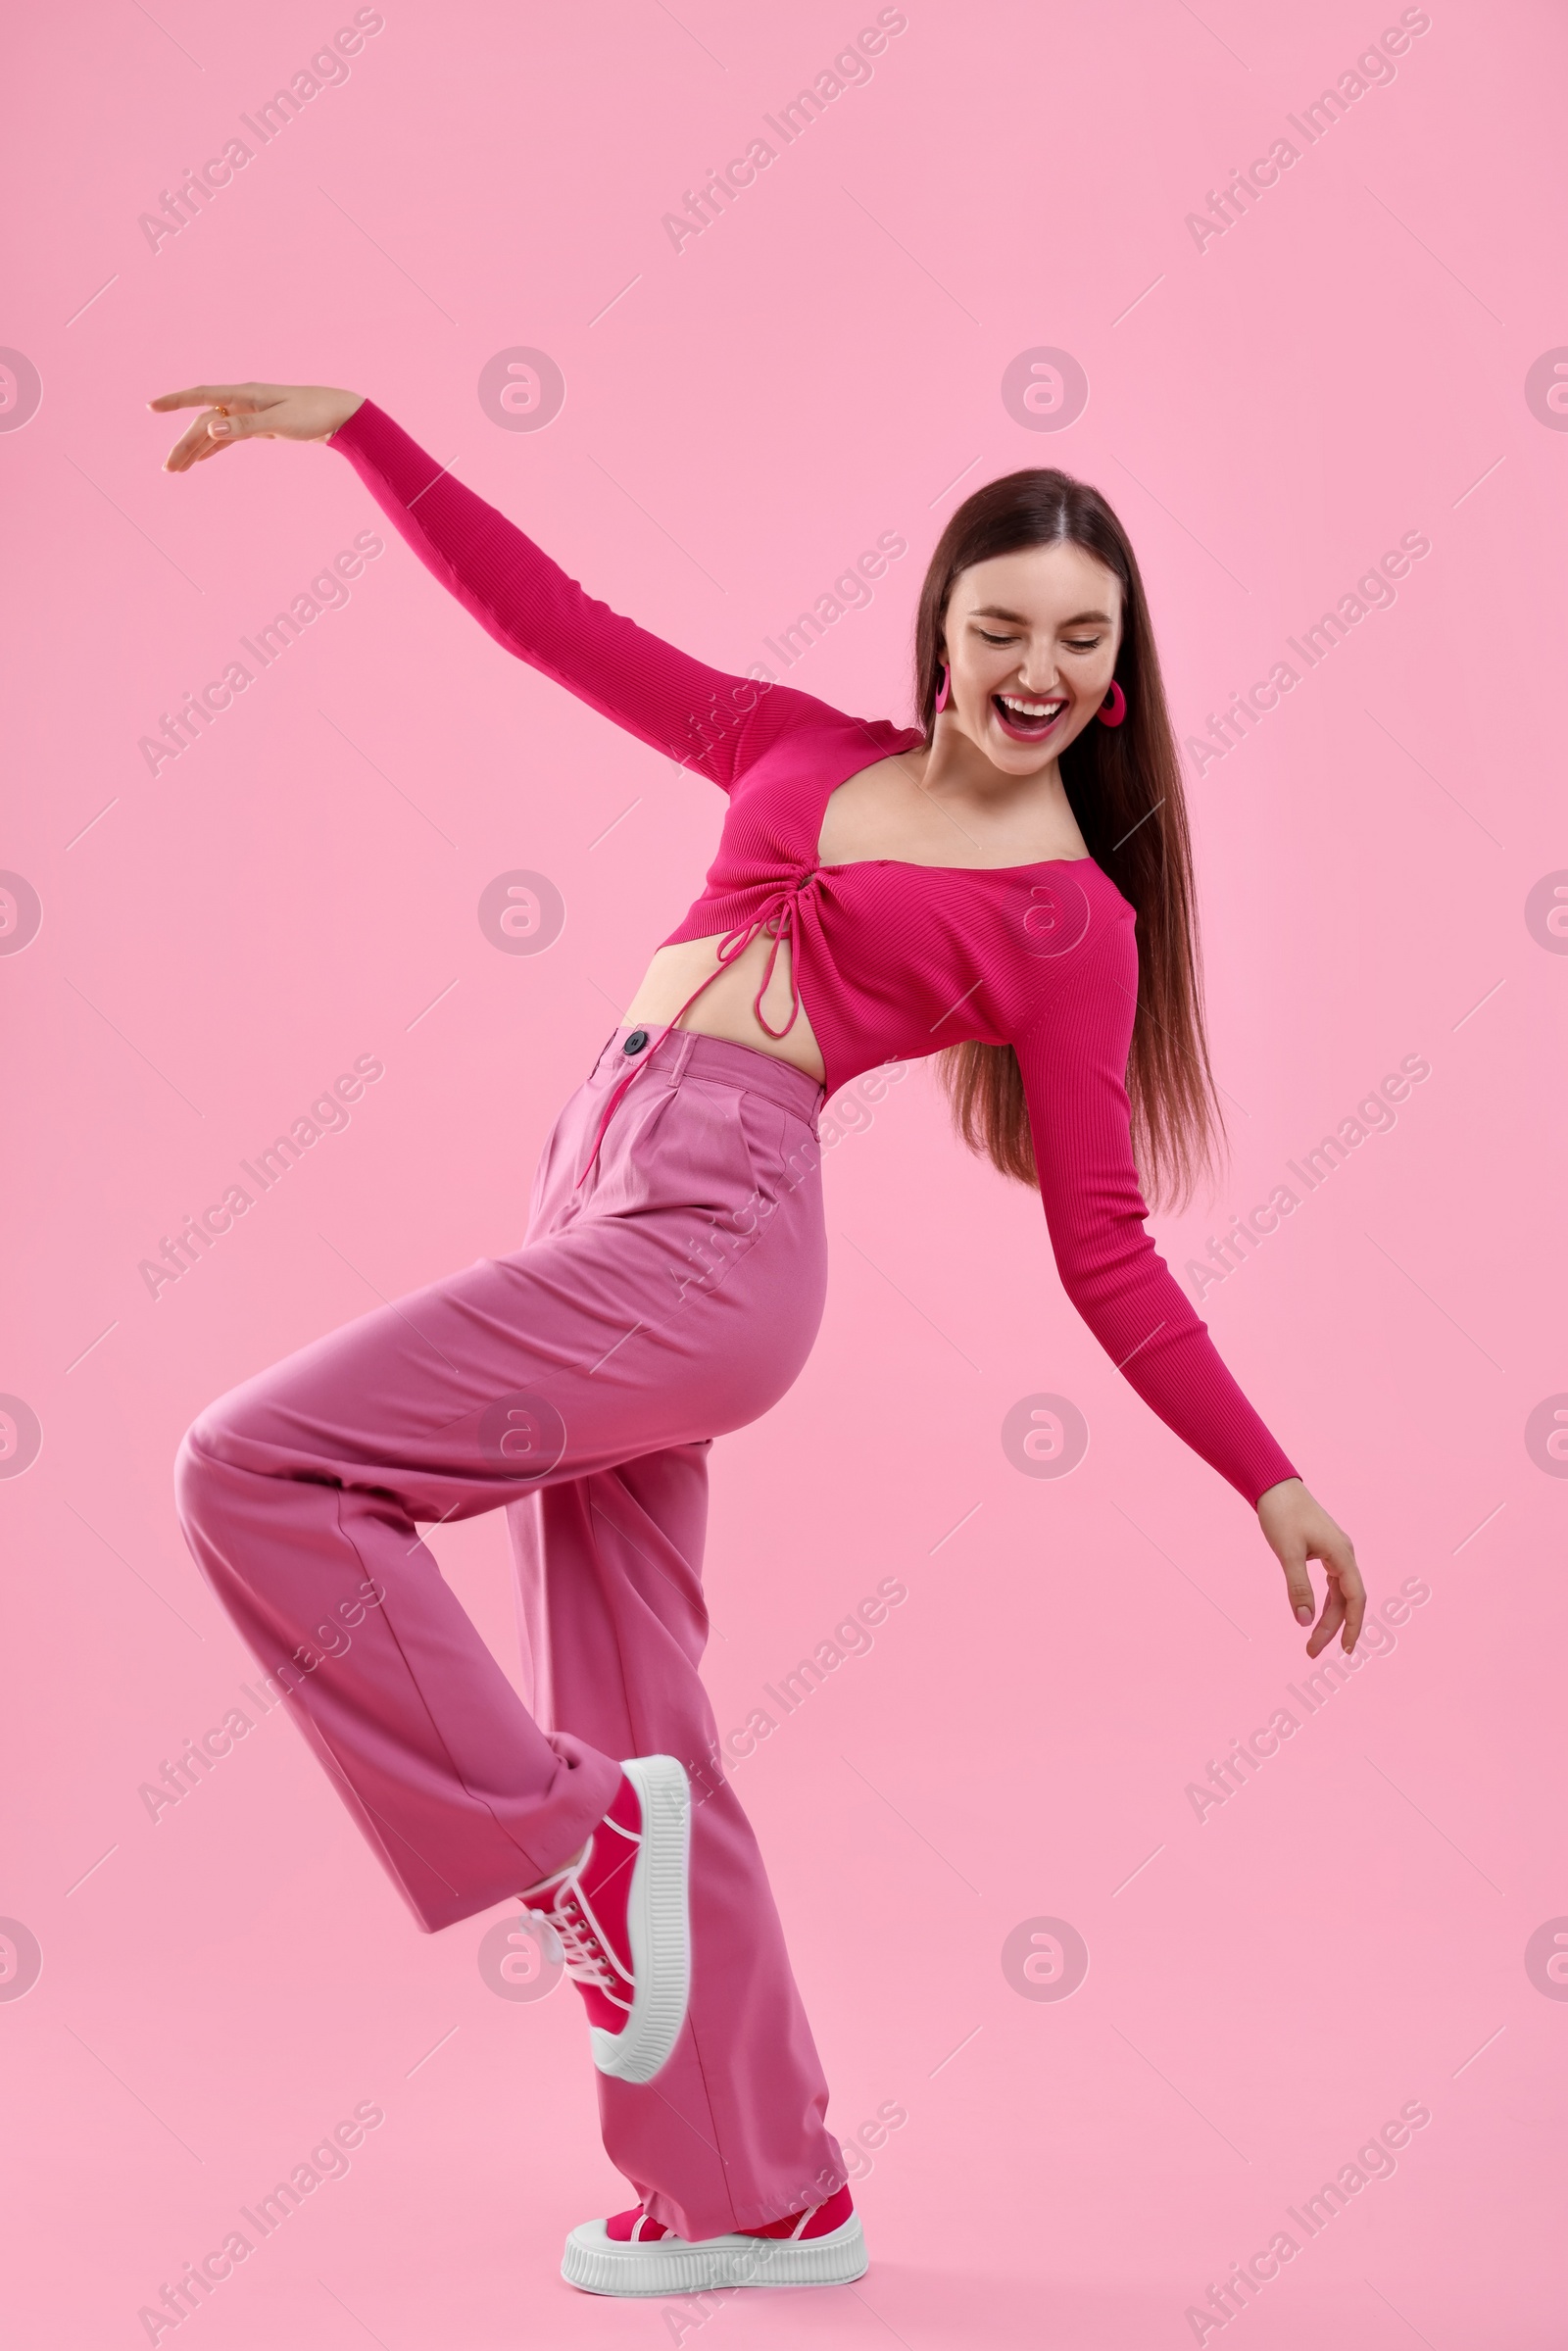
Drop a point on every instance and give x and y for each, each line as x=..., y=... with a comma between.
x=252, y=413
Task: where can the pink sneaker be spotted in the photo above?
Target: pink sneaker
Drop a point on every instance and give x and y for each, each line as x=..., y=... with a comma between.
x=623, y=1914
x=631, y=2254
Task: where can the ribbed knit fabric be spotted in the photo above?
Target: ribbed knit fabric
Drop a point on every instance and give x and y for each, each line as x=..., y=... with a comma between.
x=890, y=961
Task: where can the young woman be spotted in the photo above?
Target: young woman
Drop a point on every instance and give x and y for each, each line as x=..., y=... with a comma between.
x=968, y=885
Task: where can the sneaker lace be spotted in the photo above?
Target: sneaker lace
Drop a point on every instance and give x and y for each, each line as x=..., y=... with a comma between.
x=584, y=1955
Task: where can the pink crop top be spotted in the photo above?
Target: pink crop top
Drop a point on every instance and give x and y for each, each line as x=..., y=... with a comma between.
x=891, y=961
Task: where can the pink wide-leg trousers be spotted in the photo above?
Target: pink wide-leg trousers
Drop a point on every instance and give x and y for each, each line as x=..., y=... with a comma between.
x=579, y=1383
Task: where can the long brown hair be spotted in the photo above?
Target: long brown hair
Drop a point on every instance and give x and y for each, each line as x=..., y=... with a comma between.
x=1124, y=786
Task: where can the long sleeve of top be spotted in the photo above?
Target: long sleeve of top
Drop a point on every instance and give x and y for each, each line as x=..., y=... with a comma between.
x=1072, y=1060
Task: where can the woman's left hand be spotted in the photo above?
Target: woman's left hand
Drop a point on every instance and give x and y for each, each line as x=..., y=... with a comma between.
x=1297, y=1529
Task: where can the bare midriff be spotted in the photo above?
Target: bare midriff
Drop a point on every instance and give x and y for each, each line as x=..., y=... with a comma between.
x=726, y=1009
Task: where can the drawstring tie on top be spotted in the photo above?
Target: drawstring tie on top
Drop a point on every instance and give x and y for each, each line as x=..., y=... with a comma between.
x=778, y=915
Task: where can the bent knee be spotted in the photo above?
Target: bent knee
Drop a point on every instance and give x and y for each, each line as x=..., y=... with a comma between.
x=244, y=1433
x=197, y=1456
x=224, y=1437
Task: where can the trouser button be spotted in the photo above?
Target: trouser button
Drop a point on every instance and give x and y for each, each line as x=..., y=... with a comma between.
x=635, y=1041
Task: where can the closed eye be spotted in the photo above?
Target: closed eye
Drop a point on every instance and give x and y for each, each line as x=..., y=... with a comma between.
x=1072, y=643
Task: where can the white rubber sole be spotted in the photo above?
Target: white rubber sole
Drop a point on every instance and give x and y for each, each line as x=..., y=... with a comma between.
x=600, y=2265
x=658, y=1925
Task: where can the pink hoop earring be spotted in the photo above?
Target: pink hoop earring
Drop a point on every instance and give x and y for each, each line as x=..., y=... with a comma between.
x=1114, y=709
x=942, y=690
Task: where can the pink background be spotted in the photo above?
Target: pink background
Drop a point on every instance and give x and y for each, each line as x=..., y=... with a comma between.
x=1345, y=364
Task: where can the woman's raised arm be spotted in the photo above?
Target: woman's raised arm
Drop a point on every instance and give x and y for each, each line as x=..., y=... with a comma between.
x=708, y=719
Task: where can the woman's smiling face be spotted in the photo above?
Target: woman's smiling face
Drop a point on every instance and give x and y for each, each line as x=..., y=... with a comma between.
x=1031, y=643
